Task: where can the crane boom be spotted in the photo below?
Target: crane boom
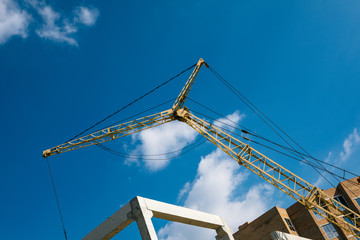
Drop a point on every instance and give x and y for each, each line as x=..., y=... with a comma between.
x=302, y=191
x=111, y=133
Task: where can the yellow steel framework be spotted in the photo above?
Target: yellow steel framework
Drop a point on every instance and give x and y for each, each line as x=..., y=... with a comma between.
x=114, y=132
x=302, y=191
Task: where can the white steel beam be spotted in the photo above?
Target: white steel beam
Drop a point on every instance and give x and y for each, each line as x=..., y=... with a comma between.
x=141, y=210
x=111, y=226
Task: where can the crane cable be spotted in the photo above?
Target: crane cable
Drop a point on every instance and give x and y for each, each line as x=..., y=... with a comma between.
x=247, y=139
x=285, y=154
x=253, y=107
x=131, y=103
x=137, y=114
x=124, y=155
x=133, y=156
x=96, y=124
x=57, y=199
x=248, y=131
x=192, y=146
x=249, y=104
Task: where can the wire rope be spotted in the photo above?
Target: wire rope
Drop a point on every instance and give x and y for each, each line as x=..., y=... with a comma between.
x=285, y=154
x=136, y=156
x=263, y=138
x=137, y=114
x=57, y=199
x=131, y=103
x=249, y=104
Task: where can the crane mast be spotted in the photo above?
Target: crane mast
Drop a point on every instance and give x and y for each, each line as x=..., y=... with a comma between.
x=299, y=189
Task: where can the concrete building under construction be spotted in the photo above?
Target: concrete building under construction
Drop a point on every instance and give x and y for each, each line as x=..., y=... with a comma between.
x=299, y=221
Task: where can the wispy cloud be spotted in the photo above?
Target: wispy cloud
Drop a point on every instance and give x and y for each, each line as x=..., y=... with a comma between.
x=49, y=23
x=60, y=28
x=349, y=146
x=162, y=139
x=86, y=16
x=51, y=29
x=13, y=21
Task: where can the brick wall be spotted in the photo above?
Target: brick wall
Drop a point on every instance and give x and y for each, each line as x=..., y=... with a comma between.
x=305, y=222
x=260, y=228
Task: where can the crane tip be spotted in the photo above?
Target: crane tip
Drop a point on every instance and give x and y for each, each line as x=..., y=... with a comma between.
x=46, y=153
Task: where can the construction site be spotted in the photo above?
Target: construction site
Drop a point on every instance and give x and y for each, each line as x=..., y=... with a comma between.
x=180, y=120
x=316, y=214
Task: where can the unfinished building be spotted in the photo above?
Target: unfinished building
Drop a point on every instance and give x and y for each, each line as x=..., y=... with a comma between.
x=297, y=220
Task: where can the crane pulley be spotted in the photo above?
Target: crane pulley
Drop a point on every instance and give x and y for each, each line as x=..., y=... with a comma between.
x=299, y=189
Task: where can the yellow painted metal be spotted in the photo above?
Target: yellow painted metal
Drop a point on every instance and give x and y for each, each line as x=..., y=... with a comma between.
x=131, y=127
x=283, y=179
x=180, y=100
x=114, y=132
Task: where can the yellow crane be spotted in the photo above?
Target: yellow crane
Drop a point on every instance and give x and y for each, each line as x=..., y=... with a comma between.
x=302, y=191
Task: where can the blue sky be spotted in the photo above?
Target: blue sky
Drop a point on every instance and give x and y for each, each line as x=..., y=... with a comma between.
x=65, y=65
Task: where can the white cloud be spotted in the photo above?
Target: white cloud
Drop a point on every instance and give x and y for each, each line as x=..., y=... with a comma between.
x=51, y=29
x=169, y=137
x=229, y=121
x=349, y=145
x=184, y=191
x=13, y=20
x=51, y=25
x=214, y=191
x=162, y=139
x=86, y=15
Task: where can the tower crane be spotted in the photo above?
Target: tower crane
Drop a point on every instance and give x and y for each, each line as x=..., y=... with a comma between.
x=299, y=189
